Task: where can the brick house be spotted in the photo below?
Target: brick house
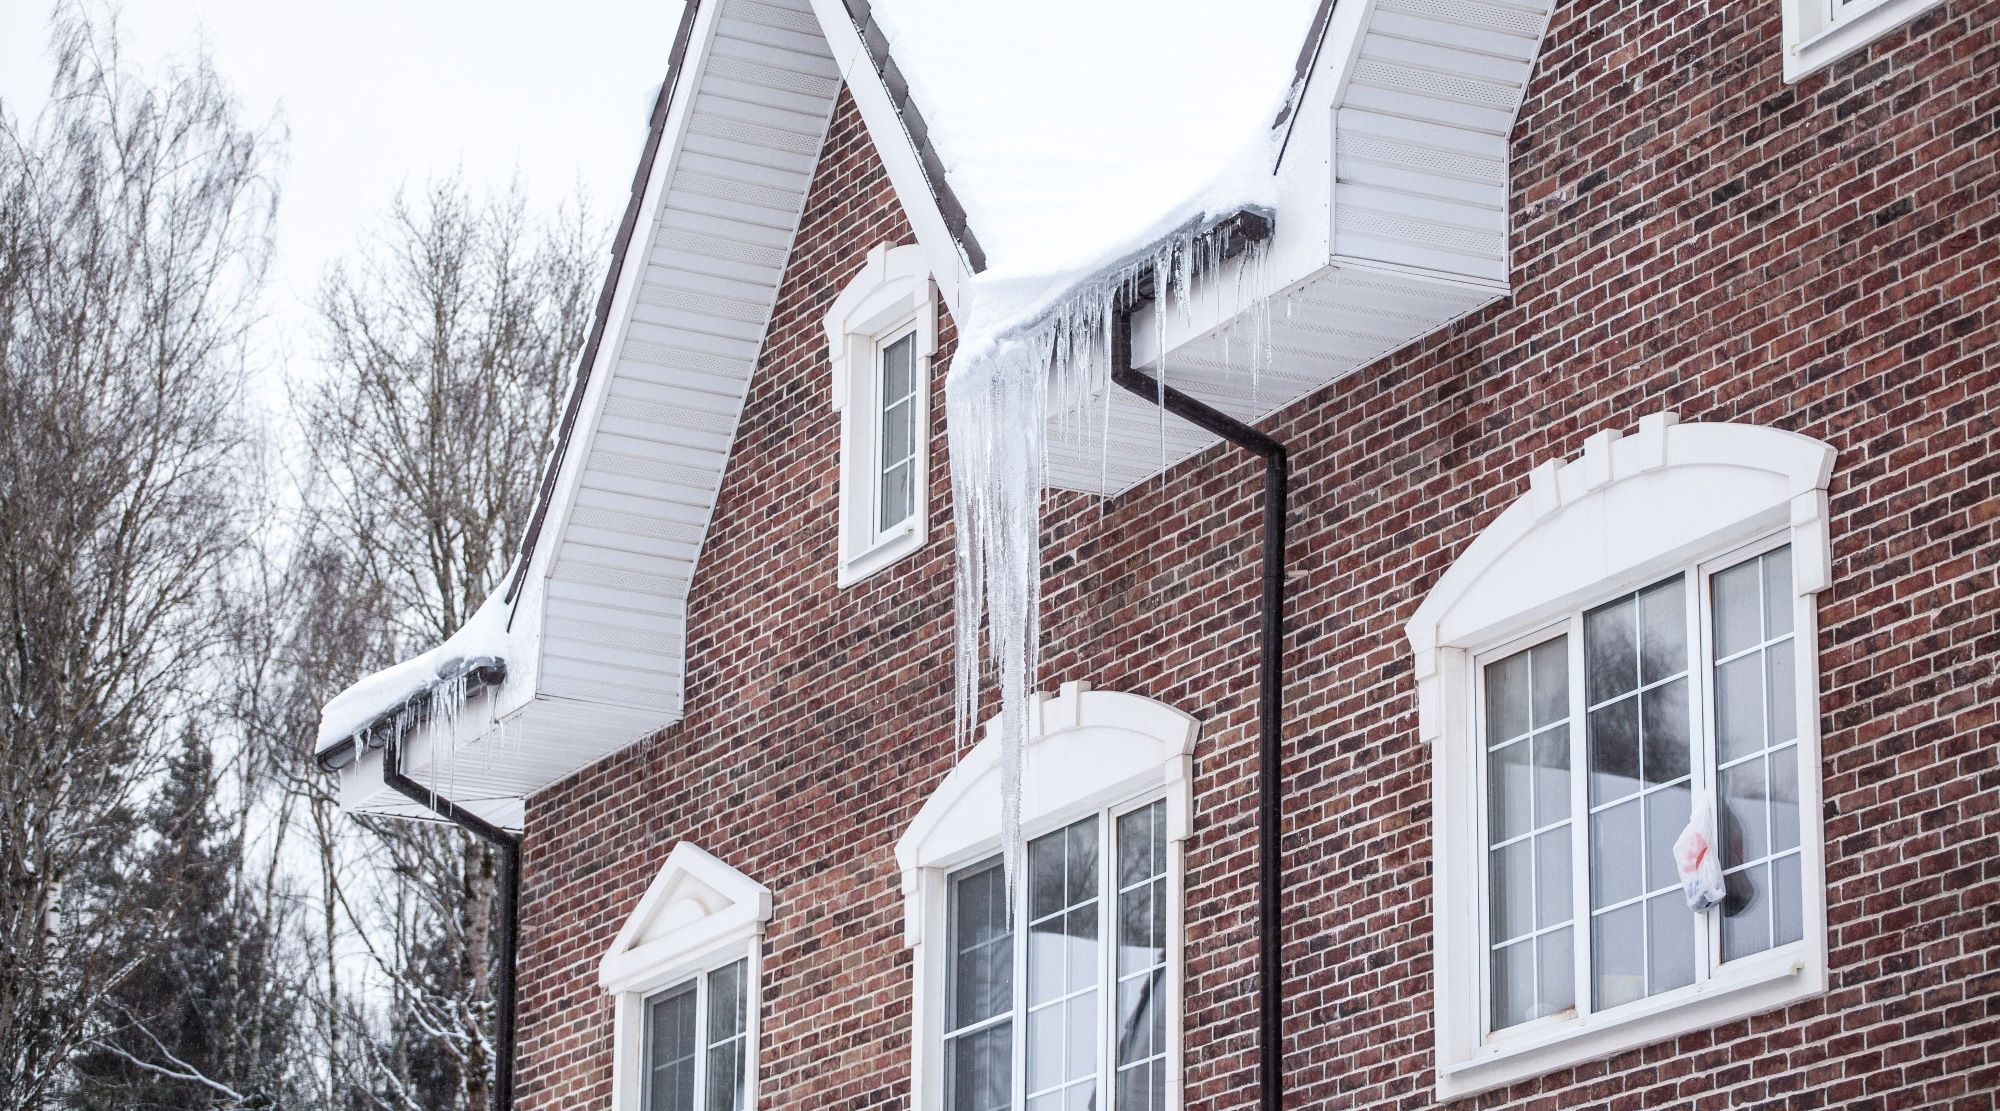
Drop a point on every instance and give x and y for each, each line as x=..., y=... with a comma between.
x=1636, y=374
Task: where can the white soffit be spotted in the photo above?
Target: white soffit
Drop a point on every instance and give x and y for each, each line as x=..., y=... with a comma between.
x=600, y=627
x=1392, y=223
x=660, y=416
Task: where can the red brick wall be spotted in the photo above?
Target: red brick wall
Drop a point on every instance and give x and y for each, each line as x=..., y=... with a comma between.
x=1690, y=233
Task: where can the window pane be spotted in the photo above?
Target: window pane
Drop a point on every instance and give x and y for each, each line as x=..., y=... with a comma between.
x=726, y=1003
x=1746, y=912
x=1739, y=609
x=1614, y=751
x=1509, y=787
x=978, y=1070
x=1782, y=715
x=1081, y=881
x=1557, y=971
x=1513, y=899
x=1615, y=854
x=1552, y=784
x=1667, y=814
x=725, y=1078
x=1784, y=800
x=1664, y=723
x=1513, y=984
x=1787, y=901
x=1139, y=1052
x=1549, y=663
x=982, y=981
x=668, y=1074
x=1670, y=943
x=898, y=364
x=1739, y=708
x=1746, y=820
x=1611, y=651
x=1552, y=886
x=897, y=488
x=1507, y=698
x=899, y=423
x=1663, y=631
x=1618, y=956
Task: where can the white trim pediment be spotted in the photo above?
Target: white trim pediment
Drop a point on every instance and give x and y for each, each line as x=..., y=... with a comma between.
x=1085, y=748
x=695, y=905
x=1628, y=504
x=894, y=284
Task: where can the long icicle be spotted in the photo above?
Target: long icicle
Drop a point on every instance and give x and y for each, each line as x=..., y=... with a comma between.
x=997, y=400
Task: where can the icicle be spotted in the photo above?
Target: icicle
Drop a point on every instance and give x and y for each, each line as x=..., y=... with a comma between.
x=997, y=399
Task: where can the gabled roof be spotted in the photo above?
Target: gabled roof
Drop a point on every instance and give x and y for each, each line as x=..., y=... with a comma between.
x=592, y=653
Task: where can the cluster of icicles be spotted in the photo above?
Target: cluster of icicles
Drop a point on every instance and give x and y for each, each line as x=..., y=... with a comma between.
x=440, y=711
x=1000, y=398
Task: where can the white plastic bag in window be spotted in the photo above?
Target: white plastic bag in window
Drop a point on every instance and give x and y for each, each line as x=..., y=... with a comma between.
x=1695, y=859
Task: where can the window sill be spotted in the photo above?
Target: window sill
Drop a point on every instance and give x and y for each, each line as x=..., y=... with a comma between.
x=1848, y=35
x=885, y=551
x=1760, y=984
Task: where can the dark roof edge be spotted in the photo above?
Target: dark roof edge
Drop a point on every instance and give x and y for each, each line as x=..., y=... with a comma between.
x=1302, y=69
x=875, y=42
x=627, y=229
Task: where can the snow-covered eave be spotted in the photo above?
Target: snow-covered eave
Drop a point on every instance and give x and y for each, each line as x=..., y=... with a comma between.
x=478, y=674
x=595, y=610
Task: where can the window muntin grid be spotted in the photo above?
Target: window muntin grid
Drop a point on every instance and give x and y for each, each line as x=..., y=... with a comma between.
x=1530, y=904
x=896, y=434
x=696, y=1043
x=1052, y=973
x=1638, y=769
x=1757, y=762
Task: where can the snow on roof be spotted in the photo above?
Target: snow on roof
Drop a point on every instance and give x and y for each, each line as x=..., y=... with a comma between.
x=482, y=640
x=1077, y=133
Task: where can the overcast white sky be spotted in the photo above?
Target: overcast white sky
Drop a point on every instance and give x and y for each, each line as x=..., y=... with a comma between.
x=377, y=94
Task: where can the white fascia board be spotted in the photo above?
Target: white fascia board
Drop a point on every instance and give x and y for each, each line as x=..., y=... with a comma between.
x=899, y=158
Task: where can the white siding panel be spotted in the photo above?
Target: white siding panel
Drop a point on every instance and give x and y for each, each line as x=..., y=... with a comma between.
x=613, y=633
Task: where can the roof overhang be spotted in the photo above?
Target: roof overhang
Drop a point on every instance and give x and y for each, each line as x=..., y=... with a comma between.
x=1391, y=222
x=596, y=628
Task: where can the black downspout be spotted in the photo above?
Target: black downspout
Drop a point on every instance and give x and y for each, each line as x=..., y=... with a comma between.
x=1270, y=690
x=510, y=898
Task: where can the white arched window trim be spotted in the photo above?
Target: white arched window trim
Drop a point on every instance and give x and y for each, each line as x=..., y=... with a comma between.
x=890, y=298
x=1630, y=509
x=1087, y=750
x=697, y=915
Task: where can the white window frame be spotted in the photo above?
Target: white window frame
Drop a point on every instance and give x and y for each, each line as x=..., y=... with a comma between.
x=1819, y=33
x=1631, y=511
x=892, y=296
x=698, y=915
x=1089, y=753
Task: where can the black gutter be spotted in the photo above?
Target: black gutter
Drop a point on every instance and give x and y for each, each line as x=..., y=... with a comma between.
x=1270, y=689
x=480, y=673
x=509, y=846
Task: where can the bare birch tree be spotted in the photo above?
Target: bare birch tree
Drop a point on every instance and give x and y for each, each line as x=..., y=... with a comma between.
x=448, y=344
x=134, y=225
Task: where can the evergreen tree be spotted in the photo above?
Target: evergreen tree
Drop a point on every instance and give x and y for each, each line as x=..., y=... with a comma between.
x=205, y=1022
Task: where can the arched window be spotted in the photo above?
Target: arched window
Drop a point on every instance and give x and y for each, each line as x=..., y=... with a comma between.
x=1073, y=998
x=881, y=333
x=684, y=971
x=1630, y=644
